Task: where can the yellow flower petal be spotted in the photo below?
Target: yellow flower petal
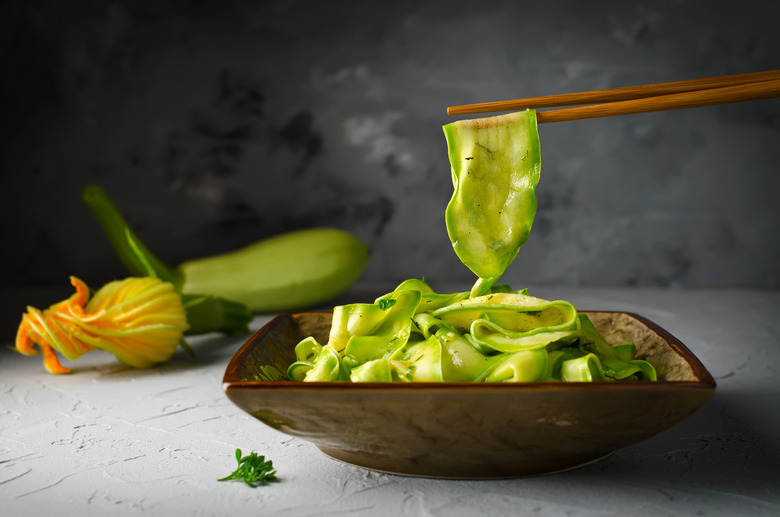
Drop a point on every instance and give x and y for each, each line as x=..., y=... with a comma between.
x=139, y=320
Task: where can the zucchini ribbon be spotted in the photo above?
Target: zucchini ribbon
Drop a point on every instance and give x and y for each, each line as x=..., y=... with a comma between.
x=414, y=334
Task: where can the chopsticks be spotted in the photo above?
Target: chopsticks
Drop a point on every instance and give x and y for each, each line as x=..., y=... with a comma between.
x=640, y=99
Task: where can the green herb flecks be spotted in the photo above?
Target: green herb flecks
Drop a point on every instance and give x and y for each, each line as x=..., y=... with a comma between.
x=386, y=304
x=253, y=470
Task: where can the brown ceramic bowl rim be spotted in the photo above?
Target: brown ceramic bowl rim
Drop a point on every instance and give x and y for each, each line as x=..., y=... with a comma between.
x=231, y=381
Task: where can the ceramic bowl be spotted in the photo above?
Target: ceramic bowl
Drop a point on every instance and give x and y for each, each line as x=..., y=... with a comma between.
x=463, y=430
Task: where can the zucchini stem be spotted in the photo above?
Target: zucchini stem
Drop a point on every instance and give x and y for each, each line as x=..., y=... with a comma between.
x=136, y=257
x=205, y=313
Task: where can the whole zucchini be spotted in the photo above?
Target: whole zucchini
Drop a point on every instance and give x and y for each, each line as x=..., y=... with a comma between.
x=289, y=271
x=293, y=270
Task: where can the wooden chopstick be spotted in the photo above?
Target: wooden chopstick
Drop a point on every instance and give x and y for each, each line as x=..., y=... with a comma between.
x=641, y=99
x=695, y=99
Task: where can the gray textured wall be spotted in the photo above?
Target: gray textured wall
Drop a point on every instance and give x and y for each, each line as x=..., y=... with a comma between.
x=214, y=124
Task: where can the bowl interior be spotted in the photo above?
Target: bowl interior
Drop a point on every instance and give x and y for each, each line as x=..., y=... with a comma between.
x=270, y=351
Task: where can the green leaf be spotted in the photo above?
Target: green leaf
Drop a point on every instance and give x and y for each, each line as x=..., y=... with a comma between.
x=215, y=314
x=253, y=470
x=386, y=304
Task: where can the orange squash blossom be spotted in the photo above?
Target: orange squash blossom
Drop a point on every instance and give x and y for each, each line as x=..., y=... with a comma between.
x=139, y=320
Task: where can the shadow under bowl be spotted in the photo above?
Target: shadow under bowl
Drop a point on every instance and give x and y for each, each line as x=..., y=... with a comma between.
x=468, y=430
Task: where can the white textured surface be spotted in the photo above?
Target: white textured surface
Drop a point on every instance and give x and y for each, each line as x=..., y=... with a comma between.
x=112, y=440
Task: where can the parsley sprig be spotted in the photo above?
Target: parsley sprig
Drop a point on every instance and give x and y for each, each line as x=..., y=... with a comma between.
x=253, y=470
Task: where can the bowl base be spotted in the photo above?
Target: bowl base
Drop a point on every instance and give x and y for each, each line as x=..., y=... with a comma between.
x=420, y=467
